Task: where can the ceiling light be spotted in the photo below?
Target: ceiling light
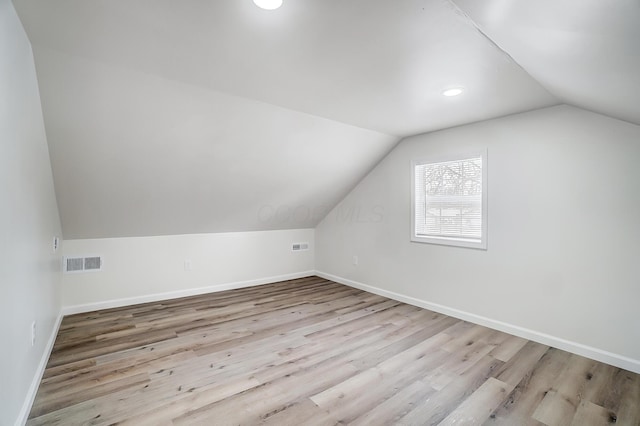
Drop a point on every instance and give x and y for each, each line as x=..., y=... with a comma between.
x=268, y=4
x=453, y=91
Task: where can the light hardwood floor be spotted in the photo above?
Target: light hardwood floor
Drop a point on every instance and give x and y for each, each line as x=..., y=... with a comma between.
x=311, y=351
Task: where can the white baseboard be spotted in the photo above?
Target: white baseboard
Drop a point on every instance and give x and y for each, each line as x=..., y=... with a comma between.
x=545, y=339
x=35, y=383
x=117, y=303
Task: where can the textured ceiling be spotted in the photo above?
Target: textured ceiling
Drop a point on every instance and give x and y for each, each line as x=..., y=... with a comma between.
x=168, y=117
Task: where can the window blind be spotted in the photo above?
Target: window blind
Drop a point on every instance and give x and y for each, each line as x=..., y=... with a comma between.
x=448, y=199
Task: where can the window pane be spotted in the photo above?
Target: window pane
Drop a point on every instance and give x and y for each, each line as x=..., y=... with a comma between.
x=449, y=199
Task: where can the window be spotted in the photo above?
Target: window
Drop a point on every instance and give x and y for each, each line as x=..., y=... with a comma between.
x=449, y=201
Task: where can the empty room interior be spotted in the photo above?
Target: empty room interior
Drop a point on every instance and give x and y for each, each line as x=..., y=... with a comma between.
x=320, y=212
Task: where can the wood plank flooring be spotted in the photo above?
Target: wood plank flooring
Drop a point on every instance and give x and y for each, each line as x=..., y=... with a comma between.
x=314, y=352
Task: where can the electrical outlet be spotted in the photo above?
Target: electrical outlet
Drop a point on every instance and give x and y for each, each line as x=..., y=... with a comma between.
x=355, y=260
x=33, y=333
x=187, y=265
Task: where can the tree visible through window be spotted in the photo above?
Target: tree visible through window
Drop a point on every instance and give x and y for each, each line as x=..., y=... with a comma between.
x=449, y=201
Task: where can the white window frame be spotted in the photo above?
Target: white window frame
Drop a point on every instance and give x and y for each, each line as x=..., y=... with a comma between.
x=448, y=240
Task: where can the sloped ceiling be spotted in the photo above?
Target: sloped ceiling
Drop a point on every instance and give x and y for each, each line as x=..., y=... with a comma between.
x=137, y=154
x=585, y=52
x=168, y=117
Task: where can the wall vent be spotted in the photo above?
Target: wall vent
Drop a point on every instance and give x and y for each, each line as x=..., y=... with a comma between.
x=299, y=246
x=74, y=264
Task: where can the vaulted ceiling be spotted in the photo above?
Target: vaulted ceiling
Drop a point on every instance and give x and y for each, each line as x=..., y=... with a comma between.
x=585, y=52
x=168, y=117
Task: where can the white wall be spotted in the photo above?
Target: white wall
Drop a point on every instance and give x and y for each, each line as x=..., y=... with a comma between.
x=142, y=269
x=563, y=241
x=29, y=271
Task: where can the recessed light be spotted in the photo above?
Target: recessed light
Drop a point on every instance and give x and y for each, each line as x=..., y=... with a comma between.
x=268, y=4
x=453, y=91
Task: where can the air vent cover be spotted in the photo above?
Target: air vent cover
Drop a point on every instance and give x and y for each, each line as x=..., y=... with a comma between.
x=299, y=246
x=73, y=264
x=92, y=263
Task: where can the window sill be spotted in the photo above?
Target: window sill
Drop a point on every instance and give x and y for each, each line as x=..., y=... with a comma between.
x=447, y=241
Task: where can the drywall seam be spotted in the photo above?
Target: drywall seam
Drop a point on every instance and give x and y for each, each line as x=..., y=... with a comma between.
x=35, y=383
x=117, y=303
x=545, y=339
